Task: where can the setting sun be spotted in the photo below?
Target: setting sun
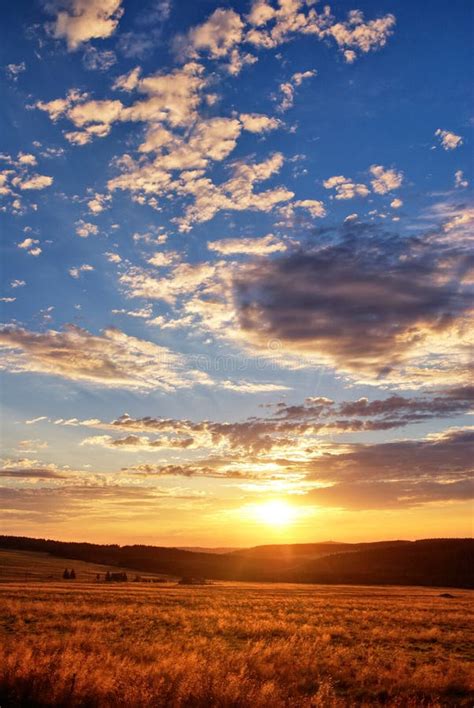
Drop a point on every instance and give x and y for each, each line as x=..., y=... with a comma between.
x=275, y=513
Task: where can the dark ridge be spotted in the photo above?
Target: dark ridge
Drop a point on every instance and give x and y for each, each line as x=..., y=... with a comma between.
x=430, y=562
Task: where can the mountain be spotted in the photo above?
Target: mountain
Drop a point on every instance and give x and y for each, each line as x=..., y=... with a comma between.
x=432, y=562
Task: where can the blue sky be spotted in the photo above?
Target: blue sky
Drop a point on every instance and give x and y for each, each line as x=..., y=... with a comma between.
x=212, y=213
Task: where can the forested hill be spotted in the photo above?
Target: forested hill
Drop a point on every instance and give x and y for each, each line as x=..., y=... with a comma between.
x=432, y=562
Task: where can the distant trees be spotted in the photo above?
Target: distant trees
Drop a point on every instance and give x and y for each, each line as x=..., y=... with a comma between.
x=69, y=574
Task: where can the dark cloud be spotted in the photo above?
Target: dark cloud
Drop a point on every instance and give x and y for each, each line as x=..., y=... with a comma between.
x=32, y=473
x=402, y=473
x=287, y=423
x=362, y=303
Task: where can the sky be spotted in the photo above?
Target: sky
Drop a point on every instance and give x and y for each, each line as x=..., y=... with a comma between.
x=237, y=270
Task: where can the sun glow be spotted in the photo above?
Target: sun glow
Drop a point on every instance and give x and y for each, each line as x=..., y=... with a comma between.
x=275, y=512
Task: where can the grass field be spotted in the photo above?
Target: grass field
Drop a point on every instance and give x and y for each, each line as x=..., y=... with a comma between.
x=26, y=566
x=259, y=646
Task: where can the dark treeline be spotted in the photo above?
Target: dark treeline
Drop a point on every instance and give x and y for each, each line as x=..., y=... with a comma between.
x=430, y=562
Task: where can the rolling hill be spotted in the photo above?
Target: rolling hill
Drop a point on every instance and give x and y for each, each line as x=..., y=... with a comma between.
x=430, y=562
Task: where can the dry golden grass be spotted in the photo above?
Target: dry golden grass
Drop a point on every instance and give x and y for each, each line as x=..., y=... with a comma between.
x=26, y=566
x=261, y=646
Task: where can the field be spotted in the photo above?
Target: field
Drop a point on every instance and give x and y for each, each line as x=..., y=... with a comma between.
x=27, y=566
x=252, y=645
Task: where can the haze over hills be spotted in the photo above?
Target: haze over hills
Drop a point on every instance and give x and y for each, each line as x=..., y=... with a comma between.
x=429, y=562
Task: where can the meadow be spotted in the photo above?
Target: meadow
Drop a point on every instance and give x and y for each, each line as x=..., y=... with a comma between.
x=234, y=644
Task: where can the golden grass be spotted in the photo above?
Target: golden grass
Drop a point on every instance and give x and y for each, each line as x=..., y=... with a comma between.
x=27, y=566
x=261, y=646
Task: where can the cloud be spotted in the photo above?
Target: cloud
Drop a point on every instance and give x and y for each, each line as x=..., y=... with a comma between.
x=273, y=26
x=396, y=203
x=364, y=36
x=457, y=219
x=13, y=71
x=449, y=140
x=77, y=270
x=385, y=180
x=59, y=106
x=96, y=60
x=183, y=279
x=345, y=188
x=36, y=182
x=289, y=429
x=30, y=245
x=128, y=82
x=397, y=474
x=459, y=181
x=27, y=159
x=99, y=203
x=217, y=36
x=287, y=89
x=78, y=21
x=32, y=473
x=112, y=359
x=84, y=229
x=113, y=257
x=258, y=123
x=378, y=308
x=248, y=246
x=313, y=206
x=236, y=194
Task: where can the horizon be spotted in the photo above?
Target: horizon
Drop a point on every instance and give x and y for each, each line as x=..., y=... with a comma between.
x=237, y=292
x=239, y=548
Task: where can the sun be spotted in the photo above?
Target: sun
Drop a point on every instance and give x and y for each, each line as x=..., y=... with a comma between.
x=275, y=512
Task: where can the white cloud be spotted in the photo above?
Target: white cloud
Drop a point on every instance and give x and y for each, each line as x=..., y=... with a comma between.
x=30, y=245
x=96, y=60
x=184, y=279
x=59, y=106
x=287, y=89
x=364, y=36
x=34, y=182
x=313, y=206
x=459, y=181
x=217, y=36
x=258, y=123
x=248, y=246
x=273, y=26
x=26, y=158
x=385, y=180
x=449, y=140
x=99, y=203
x=236, y=194
x=112, y=358
x=238, y=60
x=85, y=229
x=113, y=257
x=78, y=21
x=128, y=82
x=163, y=260
x=17, y=283
x=345, y=188
x=396, y=203
x=76, y=272
x=13, y=71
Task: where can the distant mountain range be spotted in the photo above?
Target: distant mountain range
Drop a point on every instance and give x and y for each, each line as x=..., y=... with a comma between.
x=430, y=562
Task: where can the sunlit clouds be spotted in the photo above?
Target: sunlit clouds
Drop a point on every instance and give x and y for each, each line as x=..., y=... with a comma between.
x=238, y=271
